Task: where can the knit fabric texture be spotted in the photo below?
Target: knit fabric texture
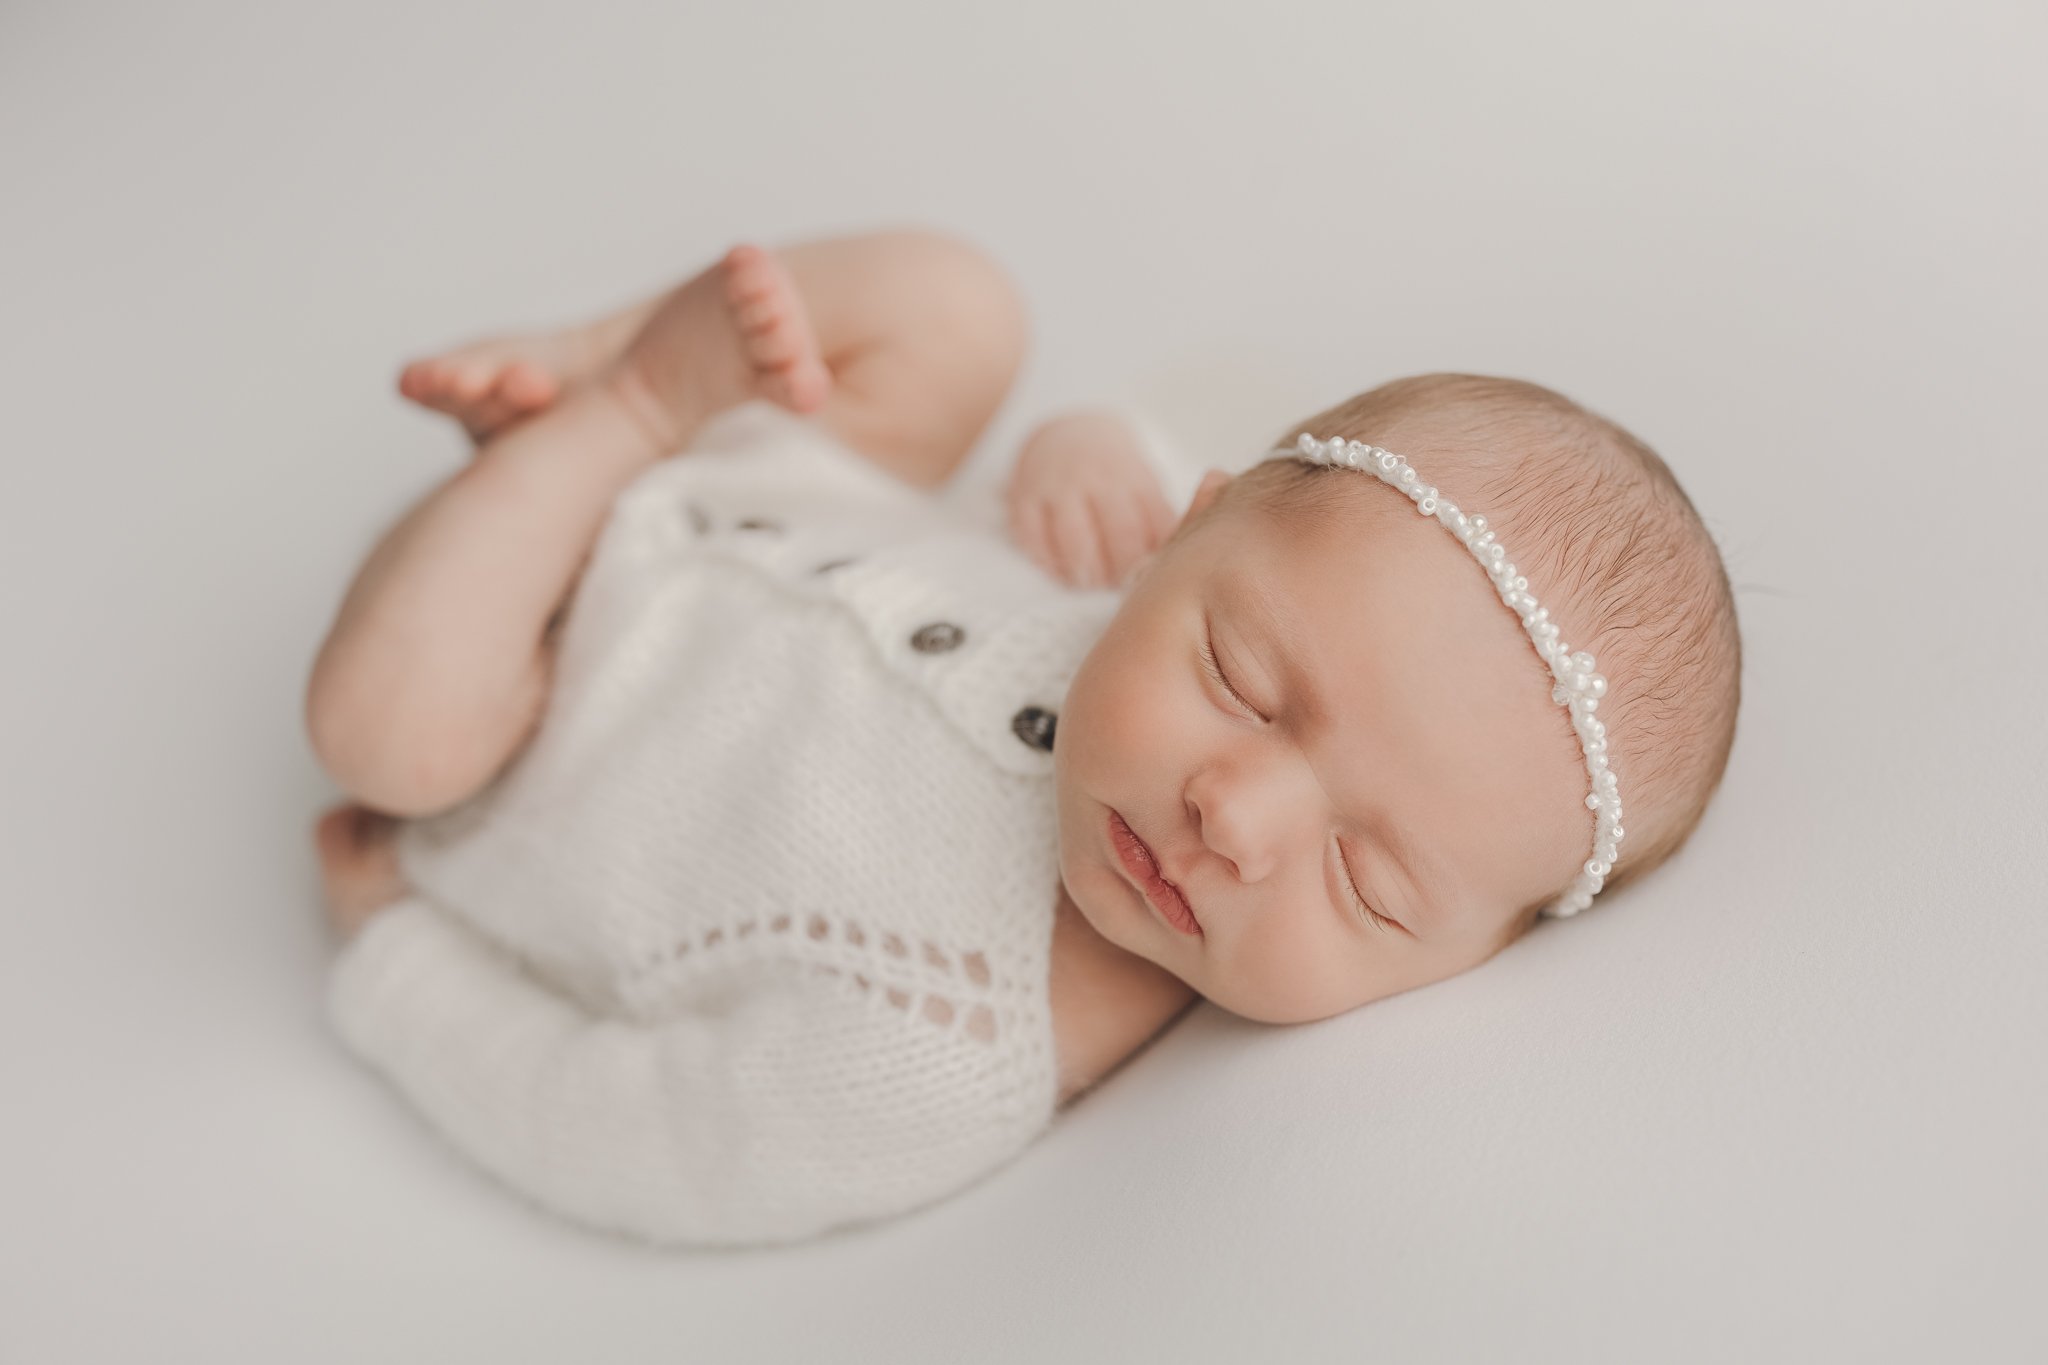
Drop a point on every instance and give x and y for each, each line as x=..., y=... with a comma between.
x=752, y=941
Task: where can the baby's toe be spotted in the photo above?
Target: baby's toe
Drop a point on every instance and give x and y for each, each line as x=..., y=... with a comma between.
x=417, y=380
x=468, y=380
x=525, y=385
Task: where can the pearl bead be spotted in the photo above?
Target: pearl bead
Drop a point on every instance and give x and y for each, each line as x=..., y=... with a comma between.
x=1426, y=505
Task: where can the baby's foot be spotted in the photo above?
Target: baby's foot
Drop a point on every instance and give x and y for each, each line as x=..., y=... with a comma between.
x=358, y=865
x=737, y=331
x=488, y=385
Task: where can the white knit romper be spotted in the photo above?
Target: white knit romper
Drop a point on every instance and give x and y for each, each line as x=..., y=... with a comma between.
x=752, y=940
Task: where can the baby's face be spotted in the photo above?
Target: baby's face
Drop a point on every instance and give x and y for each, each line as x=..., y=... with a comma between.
x=1439, y=779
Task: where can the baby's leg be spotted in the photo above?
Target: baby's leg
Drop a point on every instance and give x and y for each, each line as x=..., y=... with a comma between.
x=437, y=668
x=921, y=333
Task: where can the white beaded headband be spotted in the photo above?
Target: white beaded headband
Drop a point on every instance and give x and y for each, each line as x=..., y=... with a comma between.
x=1578, y=688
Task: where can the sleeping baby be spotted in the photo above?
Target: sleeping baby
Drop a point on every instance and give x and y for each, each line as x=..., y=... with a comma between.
x=744, y=843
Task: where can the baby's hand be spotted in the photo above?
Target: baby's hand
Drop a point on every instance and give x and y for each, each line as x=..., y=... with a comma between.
x=1084, y=504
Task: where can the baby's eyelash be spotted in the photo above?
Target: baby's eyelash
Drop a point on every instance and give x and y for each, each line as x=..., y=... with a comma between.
x=1216, y=672
x=1380, y=922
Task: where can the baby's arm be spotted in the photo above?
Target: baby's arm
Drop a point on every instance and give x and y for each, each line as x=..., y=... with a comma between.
x=796, y=1106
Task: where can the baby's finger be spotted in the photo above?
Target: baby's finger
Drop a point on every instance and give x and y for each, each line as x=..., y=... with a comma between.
x=1027, y=528
x=1124, y=531
x=1077, y=542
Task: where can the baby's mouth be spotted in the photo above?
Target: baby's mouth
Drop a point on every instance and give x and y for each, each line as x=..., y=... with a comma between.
x=1143, y=868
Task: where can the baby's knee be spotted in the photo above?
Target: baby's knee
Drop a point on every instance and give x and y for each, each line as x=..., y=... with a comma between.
x=963, y=295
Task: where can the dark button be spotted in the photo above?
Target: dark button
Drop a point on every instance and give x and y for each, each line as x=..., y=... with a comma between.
x=937, y=638
x=698, y=521
x=759, y=524
x=832, y=564
x=1034, y=725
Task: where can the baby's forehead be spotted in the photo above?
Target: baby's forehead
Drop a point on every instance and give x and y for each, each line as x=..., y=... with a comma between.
x=1374, y=607
x=1361, y=539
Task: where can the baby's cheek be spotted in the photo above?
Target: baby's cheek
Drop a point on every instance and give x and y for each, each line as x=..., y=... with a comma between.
x=1298, y=968
x=1144, y=713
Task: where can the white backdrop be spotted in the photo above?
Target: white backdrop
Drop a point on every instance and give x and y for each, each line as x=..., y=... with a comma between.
x=1786, y=1100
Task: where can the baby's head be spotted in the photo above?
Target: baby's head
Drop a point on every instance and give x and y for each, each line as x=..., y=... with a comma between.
x=1392, y=727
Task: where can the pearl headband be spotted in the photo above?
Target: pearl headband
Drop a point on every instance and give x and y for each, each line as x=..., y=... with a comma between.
x=1578, y=688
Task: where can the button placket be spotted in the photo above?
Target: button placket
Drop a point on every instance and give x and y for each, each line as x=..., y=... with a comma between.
x=1035, y=726
x=937, y=638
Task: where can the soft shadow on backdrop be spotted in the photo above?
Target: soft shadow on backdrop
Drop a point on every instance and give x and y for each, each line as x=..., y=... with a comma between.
x=1782, y=1101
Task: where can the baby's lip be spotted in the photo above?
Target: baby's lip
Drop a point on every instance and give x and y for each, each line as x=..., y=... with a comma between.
x=1153, y=873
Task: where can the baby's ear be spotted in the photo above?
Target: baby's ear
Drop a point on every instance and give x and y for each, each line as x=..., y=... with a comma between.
x=1214, y=481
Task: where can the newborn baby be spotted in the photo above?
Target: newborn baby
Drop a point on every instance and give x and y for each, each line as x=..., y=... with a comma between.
x=1305, y=758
